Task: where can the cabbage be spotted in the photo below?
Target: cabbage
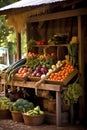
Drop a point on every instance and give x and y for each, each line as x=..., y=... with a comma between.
x=22, y=105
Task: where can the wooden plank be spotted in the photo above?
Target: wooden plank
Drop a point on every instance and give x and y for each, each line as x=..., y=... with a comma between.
x=81, y=64
x=58, y=109
x=58, y=15
x=27, y=84
x=71, y=75
x=18, y=35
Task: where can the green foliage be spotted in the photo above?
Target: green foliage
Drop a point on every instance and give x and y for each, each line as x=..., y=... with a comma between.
x=6, y=2
x=5, y=103
x=32, y=62
x=73, y=53
x=4, y=29
x=22, y=105
x=72, y=93
x=7, y=34
x=35, y=111
x=31, y=44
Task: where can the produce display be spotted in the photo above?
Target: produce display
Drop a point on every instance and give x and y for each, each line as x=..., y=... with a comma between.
x=36, y=65
x=72, y=93
x=32, y=43
x=5, y=103
x=23, y=72
x=35, y=111
x=9, y=72
x=62, y=73
x=47, y=69
x=73, y=54
x=58, y=38
x=22, y=105
x=43, y=65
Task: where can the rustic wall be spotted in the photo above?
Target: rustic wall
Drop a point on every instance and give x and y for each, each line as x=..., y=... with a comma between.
x=45, y=30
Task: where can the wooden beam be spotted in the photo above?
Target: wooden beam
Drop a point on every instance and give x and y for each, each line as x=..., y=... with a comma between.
x=81, y=62
x=58, y=15
x=18, y=36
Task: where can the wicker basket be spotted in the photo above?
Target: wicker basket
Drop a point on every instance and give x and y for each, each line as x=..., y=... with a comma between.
x=17, y=116
x=5, y=114
x=33, y=120
x=52, y=106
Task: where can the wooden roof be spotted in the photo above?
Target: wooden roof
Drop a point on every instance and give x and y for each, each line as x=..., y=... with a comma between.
x=19, y=13
x=29, y=5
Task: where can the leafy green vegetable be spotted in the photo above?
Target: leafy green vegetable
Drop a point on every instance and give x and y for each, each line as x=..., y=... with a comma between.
x=5, y=103
x=72, y=93
x=22, y=105
x=35, y=111
x=73, y=53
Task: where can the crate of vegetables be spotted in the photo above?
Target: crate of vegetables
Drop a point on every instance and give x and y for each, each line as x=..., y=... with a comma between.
x=63, y=75
x=22, y=73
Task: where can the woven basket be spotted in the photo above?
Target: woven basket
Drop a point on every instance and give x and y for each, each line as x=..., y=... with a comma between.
x=17, y=116
x=33, y=120
x=5, y=114
x=52, y=106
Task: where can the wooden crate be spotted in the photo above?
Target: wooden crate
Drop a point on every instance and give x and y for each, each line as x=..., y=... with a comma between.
x=66, y=81
x=50, y=118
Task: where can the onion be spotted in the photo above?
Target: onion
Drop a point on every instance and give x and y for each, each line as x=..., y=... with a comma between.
x=42, y=76
x=38, y=74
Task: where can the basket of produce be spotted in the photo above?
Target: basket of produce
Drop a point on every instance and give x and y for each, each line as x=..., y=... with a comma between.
x=5, y=107
x=34, y=117
x=17, y=116
x=20, y=106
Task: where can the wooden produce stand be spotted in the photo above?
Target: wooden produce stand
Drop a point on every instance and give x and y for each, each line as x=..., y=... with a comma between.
x=50, y=87
x=55, y=86
x=42, y=22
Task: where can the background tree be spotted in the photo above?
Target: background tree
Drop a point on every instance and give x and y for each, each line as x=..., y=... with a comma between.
x=7, y=34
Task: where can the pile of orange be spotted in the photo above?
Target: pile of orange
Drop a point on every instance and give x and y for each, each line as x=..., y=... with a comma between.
x=62, y=74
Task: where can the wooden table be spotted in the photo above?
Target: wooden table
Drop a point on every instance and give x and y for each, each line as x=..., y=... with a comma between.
x=43, y=86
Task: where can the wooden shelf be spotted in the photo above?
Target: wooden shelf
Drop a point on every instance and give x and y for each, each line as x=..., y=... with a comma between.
x=52, y=45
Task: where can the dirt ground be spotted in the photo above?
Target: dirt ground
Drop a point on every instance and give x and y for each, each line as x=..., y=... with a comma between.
x=9, y=124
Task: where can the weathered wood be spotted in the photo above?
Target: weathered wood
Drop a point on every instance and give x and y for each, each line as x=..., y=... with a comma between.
x=81, y=62
x=27, y=84
x=58, y=15
x=58, y=109
x=50, y=87
x=18, y=35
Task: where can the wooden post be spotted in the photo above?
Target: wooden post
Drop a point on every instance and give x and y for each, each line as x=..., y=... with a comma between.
x=18, y=35
x=58, y=108
x=81, y=63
